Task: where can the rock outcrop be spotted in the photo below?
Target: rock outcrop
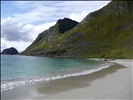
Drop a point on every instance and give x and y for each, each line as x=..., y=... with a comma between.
x=11, y=50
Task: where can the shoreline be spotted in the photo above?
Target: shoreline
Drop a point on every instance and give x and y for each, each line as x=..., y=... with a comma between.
x=112, y=82
x=36, y=80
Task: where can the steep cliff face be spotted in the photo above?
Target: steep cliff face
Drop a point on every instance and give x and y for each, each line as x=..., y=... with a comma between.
x=50, y=36
x=11, y=50
x=107, y=32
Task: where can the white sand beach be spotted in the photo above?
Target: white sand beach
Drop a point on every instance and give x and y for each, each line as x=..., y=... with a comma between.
x=117, y=85
x=113, y=83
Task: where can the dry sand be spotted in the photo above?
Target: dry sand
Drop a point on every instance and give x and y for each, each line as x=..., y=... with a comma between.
x=113, y=83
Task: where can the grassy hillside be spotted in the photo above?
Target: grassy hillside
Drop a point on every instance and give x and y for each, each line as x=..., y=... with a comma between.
x=107, y=32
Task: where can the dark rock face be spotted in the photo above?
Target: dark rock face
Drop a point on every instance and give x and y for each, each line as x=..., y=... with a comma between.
x=66, y=24
x=10, y=51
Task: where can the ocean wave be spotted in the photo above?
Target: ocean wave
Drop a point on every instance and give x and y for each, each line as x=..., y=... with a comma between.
x=13, y=83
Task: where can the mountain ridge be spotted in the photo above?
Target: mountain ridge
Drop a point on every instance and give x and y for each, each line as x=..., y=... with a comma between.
x=106, y=32
x=58, y=29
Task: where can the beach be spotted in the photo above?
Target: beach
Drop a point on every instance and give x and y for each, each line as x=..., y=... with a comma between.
x=114, y=83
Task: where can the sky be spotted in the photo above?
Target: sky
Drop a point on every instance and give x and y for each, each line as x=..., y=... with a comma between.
x=22, y=21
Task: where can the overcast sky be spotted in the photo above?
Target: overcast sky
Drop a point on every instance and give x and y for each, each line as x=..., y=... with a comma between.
x=22, y=21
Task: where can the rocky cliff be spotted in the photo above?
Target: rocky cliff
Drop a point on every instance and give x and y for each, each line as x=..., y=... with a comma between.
x=51, y=36
x=107, y=32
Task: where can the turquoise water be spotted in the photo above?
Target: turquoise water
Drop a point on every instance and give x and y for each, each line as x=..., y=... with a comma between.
x=17, y=70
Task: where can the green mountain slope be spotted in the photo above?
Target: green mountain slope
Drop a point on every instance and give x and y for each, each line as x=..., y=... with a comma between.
x=48, y=37
x=107, y=32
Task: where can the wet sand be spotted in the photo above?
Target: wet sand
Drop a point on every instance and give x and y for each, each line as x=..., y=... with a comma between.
x=114, y=82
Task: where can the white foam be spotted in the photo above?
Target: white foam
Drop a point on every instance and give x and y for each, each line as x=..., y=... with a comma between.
x=11, y=85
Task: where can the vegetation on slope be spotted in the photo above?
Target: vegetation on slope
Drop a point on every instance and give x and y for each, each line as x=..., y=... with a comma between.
x=107, y=32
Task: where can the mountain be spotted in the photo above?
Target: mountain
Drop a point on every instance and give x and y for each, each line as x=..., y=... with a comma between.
x=11, y=50
x=48, y=37
x=107, y=32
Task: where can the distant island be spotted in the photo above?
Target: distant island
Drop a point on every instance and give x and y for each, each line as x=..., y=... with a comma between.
x=105, y=33
x=11, y=50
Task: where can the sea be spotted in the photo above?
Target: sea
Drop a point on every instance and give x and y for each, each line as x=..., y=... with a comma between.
x=18, y=70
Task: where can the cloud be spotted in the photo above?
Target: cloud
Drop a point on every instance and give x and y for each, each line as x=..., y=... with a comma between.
x=48, y=11
x=12, y=30
x=3, y=46
x=34, y=30
x=20, y=46
x=78, y=16
x=40, y=14
x=26, y=19
x=14, y=33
